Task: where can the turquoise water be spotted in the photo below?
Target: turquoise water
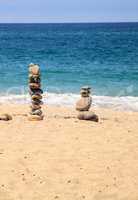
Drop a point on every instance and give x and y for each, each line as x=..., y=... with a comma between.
x=104, y=56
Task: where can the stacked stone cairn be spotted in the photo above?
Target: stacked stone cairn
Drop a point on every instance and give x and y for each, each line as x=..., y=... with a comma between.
x=84, y=105
x=35, y=93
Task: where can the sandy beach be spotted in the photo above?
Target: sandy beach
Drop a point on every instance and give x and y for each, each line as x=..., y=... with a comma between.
x=64, y=158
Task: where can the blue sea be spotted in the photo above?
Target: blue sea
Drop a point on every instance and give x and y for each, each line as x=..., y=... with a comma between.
x=101, y=55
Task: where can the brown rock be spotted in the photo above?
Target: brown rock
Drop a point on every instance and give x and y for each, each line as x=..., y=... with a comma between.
x=85, y=93
x=84, y=104
x=33, y=91
x=5, y=117
x=37, y=102
x=34, y=78
x=36, y=97
x=34, y=85
x=35, y=107
x=88, y=115
x=36, y=112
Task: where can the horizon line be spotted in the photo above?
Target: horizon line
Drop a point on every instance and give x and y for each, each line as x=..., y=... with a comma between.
x=98, y=22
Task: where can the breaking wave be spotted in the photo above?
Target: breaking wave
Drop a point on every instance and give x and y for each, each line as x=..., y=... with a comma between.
x=68, y=99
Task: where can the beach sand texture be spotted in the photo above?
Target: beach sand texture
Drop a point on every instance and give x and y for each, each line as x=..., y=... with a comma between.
x=67, y=159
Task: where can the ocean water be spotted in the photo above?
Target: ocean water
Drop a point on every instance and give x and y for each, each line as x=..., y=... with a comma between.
x=101, y=55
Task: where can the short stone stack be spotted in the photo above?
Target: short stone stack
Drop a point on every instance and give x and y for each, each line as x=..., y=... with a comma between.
x=35, y=92
x=84, y=105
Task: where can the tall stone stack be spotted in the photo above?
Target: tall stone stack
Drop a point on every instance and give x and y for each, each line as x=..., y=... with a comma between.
x=84, y=105
x=35, y=93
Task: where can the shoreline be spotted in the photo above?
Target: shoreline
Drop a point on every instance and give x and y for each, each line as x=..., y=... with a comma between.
x=23, y=109
x=123, y=103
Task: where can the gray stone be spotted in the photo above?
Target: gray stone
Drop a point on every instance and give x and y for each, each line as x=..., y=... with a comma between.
x=36, y=112
x=88, y=115
x=86, y=88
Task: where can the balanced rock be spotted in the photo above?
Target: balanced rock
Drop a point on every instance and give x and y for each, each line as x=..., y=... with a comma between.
x=37, y=102
x=84, y=93
x=33, y=91
x=34, y=69
x=86, y=88
x=36, y=112
x=34, y=78
x=34, y=85
x=84, y=104
x=88, y=115
x=35, y=107
x=36, y=97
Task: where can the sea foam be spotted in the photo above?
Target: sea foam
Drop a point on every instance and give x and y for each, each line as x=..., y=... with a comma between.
x=128, y=103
